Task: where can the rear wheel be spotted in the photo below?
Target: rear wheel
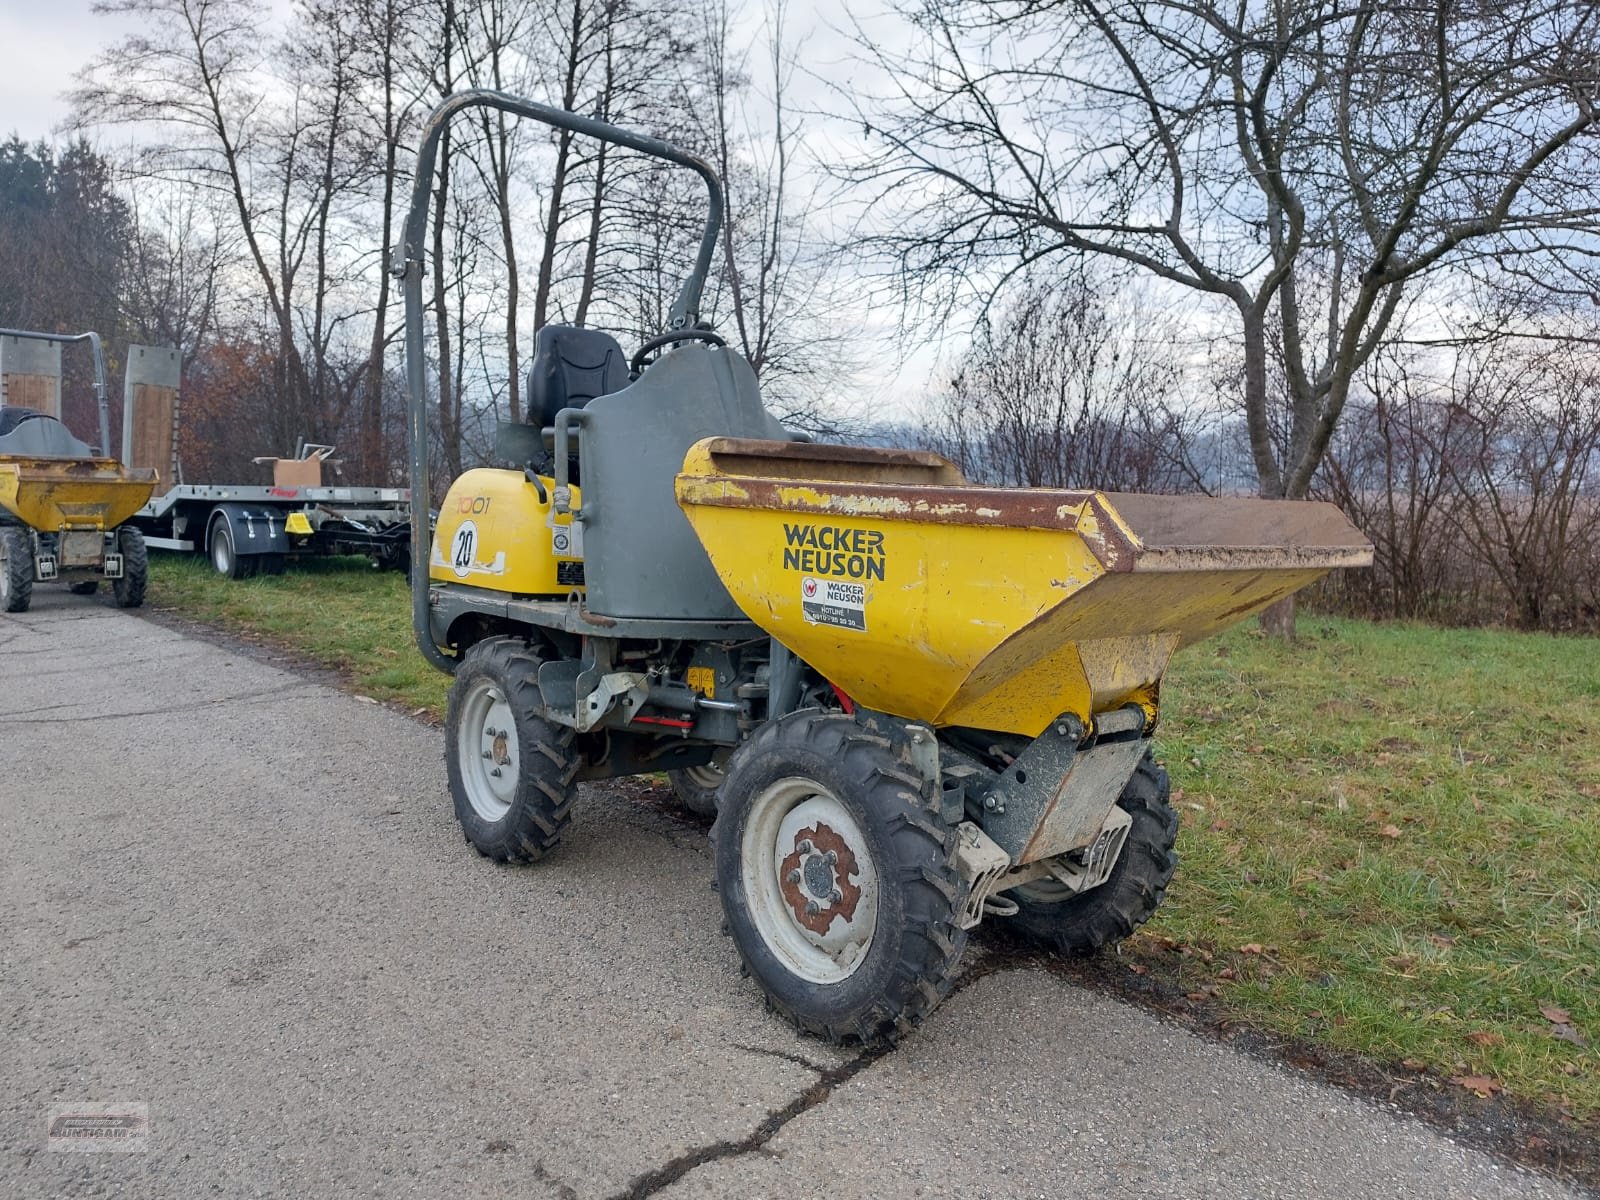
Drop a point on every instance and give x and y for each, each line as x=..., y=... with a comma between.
x=130, y=589
x=16, y=569
x=1083, y=923
x=837, y=875
x=225, y=556
x=511, y=771
x=696, y=788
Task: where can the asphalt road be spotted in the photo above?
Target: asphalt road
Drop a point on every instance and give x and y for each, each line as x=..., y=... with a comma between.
x=239, y=897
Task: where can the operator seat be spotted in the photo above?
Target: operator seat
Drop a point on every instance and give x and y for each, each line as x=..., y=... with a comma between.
x=25, y=431
x=571, y=366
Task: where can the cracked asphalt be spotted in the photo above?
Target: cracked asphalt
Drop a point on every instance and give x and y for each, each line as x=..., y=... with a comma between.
x=240, y=898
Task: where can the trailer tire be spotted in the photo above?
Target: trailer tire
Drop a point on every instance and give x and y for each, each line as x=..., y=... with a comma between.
x=696, y=787
x=130, y=589
x=818, y=810
x=16, y=569
x=512, y=786
x=87, y=587
x=225, y=556
x=1086, y=923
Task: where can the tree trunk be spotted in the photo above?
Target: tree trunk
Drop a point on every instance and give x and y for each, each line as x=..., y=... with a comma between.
x=1277, y=620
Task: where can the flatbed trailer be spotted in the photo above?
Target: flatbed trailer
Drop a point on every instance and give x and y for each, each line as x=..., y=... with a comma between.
x=244, y=528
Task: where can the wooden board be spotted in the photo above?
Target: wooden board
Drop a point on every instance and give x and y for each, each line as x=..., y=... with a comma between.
x=154, y=428
x=41, y=393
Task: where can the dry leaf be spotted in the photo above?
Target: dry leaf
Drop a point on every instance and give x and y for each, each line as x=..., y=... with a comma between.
x=1481, y=1084
x=1556, y=1016
x=1389, y=831
x=1483, y=1037
x=1567, y=1034
x=1441, y=939
x=1250, y=948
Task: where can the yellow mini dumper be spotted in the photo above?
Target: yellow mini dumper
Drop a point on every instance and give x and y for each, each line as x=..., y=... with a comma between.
x=911, y=702
x=62, y=506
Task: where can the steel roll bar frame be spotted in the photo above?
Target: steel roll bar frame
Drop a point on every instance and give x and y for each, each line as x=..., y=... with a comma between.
x=406, y=265
x=99, y=356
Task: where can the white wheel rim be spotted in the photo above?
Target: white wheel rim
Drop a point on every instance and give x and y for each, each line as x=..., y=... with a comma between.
x=486, y=746
x=5, y=568
x=816, y=914
x=219, y=552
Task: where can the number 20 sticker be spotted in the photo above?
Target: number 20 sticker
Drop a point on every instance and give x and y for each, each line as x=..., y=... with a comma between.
x=462, y=549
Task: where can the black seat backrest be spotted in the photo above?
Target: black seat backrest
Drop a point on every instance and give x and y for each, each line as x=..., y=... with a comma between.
x=26, y=432
x=571, y=366
x=11, y=417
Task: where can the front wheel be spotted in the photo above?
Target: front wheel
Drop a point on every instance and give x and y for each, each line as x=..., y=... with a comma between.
x=129, y=590
x=1084, y=923
x=16, y=569
x=837, y=876
x=511, y=771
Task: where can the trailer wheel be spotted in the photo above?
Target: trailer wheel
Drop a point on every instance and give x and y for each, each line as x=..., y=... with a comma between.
x=16, y=569
x=1082, y=924
x=511, y=771
x=87, y=587
x=129, y=590
x=837, y=876
x=225, y=556
x=696, y=788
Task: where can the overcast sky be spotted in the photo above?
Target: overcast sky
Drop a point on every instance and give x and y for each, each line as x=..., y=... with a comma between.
x=46, y=42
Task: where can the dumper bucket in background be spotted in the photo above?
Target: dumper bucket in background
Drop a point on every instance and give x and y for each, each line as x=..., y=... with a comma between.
x=53, y=494
x=922, y=595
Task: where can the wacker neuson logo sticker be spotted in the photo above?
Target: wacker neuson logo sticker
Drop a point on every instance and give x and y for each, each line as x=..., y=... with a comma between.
x=98, y=1128
x=834, y=550
x=833, y=602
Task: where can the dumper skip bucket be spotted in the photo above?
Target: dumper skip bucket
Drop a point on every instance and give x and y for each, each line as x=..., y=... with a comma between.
x=53, y=494
x=922, y=595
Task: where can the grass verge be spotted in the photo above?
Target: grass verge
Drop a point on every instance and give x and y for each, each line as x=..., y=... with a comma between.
x=1389, y=834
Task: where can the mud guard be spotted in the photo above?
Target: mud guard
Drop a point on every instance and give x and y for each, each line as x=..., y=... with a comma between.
x=256, y=529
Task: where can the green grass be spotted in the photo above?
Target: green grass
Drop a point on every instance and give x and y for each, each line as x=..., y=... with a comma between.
x=1401, y=824
x=1406, y=822
x=339, y=611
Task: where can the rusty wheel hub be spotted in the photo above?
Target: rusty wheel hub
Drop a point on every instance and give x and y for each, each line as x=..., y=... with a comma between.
x=816, y=878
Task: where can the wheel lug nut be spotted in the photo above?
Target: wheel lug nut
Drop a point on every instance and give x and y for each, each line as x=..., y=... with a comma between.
x=495, y=772
x=793, y=876
x=812, y=908
x=486, y=754
x=804, y=847
x=490, y=731
x=836, y=897
x=832, y=856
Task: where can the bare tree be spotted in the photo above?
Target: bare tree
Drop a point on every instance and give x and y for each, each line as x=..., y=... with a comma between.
x=1057, y=392
x=1302, y=162
x=173, y=270
x=1530, y=481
